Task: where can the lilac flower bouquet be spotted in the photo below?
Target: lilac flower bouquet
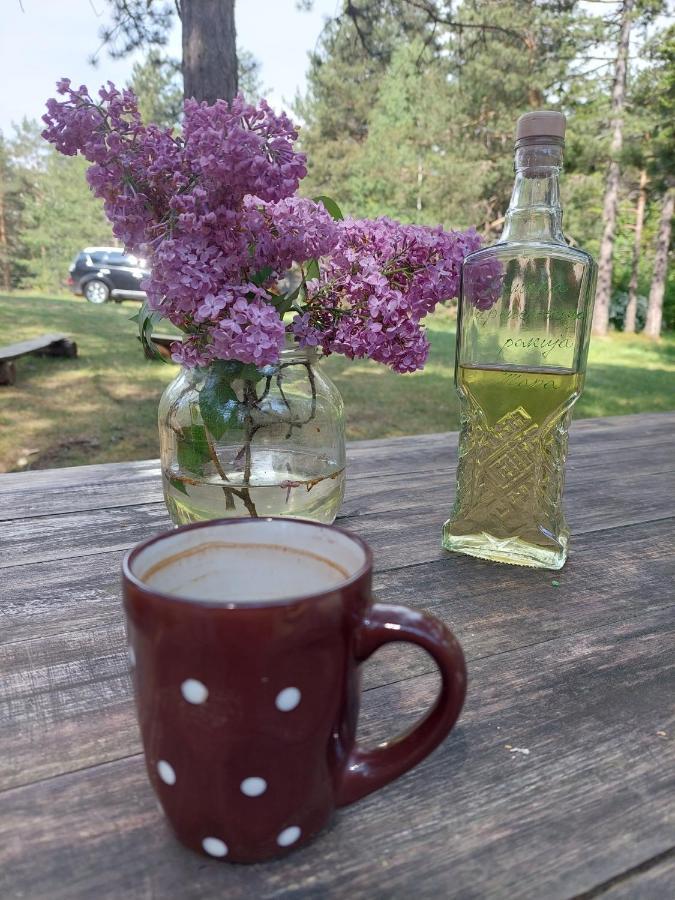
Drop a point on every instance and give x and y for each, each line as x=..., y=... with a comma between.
x=216, y=212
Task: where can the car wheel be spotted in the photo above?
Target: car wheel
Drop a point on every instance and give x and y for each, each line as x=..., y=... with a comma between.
x=96, y=291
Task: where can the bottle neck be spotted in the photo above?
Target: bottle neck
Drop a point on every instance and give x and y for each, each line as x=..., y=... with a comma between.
x=534, y=212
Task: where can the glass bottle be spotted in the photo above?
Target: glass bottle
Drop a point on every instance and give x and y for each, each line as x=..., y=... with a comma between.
x=522, y=342
x=275, y=447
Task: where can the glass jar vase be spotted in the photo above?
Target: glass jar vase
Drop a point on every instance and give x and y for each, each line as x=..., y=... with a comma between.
x=237, y=440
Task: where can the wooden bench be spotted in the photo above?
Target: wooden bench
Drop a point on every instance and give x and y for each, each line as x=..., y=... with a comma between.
x=44, y=345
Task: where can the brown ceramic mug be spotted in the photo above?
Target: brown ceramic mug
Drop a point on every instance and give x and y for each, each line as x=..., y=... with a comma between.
x=245, y=639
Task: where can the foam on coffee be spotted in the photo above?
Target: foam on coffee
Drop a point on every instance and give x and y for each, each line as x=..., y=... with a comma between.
x=249, y=561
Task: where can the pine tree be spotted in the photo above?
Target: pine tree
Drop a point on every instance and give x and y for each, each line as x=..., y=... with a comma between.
x=657, y=289
x=15, y=192
x=661, y=99
x=209, y=63
x=58, y=216
x=415, y=116
x=631, y=308
x=157, y=82
x=604, y=288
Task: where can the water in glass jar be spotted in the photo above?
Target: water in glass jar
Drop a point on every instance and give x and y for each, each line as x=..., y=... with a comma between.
x=281, y=484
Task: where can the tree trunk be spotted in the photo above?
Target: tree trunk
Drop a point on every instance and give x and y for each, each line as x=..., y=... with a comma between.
x=604, y=289
x=631, y=308
x=209, y=49
x=658, y=286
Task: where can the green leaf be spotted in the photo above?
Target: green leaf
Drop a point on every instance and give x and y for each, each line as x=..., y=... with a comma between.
x=233, y=370
x=294, y=294
x=331, y=206
x=311, y=270
x=147, y=322
x=178, y=485
x=192, y=449
x=284, y=303
x=218, y=403
x=229, y=369
x=250, y=372
x=262, y=276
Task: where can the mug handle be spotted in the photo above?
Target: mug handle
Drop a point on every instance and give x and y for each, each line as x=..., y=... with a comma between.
x=367, y=770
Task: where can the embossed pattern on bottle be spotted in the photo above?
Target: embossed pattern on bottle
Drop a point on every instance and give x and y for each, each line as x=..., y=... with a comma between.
x=513, y=445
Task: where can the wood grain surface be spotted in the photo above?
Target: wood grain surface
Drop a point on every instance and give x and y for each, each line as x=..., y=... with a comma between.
x=580, y=674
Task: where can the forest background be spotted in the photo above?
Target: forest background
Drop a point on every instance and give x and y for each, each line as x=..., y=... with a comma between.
x=409, y=112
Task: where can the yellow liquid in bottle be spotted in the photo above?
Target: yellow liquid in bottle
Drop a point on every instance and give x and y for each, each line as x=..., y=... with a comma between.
x=511, y=470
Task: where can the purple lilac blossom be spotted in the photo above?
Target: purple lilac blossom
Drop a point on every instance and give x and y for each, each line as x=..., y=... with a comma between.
x=380, y=281
x=209, y=209
x=216, y=213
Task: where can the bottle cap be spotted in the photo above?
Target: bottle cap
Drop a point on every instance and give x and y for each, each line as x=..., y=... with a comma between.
x=543, y=124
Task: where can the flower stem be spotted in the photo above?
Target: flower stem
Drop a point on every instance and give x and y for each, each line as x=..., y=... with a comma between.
x=229, y=499
x=230, y=492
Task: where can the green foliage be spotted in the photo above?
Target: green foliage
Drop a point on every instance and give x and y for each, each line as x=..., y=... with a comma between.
x=652, y=123
x=250, y=84
x=147, y=320
x=617, y=310
x=218, y=403
x=192, y=449
x=330, y=206
x=411, y=108
x=343, y=85
x=158, y=84
x=157, y=81
x=56, y=217
x=412, y=117
x=13, y=183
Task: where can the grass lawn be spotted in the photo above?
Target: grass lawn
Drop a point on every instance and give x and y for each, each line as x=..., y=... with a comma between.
x=102, y=406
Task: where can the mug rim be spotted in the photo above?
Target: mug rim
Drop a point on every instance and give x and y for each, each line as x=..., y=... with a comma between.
x=133, y=552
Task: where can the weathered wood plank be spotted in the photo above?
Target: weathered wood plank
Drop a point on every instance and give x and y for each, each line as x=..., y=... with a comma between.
x=84, y=592
x=72, y=679
x=34, y=345
x=580, y=674
x=141, y=483
x=48, y=492
x=410, y=508
x=592, y=798
x=651, y=881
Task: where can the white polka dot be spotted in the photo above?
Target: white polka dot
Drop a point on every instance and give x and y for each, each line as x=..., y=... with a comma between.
x=166, y=772
x=214, y=846
x=288, y=836
x=253, y=787
x=287, y=699
x=194, y=691
x=131, y=653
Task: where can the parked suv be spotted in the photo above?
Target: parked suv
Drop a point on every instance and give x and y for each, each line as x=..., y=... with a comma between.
x=105, y=273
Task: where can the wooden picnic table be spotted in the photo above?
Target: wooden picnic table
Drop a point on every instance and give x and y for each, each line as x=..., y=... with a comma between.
x=558, y=782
